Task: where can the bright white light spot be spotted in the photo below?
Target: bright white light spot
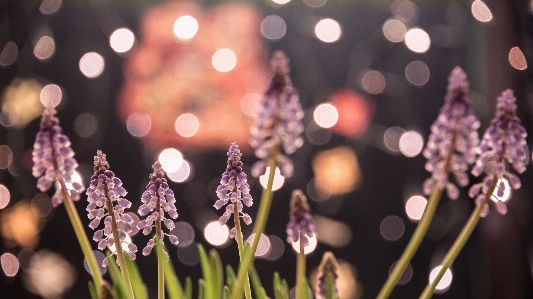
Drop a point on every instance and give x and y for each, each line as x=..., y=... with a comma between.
x=273, y=27
x=185, y=27
x=417, y=40
x=307, y=249
x=9, y=54
x=517, y=59
x=75, y=178
x=49, y=275
x=506, y=192
x=281, y=2
x=5, y=196
x=171, y=159
x=10, y=264
x=124, y=245
x=187, y=125
x=411, y=143
x=328, y=30
x=44, y=48
x=122, y=40
x=445, y=281
x=417, y=73
x=373, y=82
x=249, y=103
x=415, y=207
x=138, y=124
x=326, y=115
x=278, y=179
x=481, y=11
x=216, y=234
x=182, y=174
x=224, y=60
x=92, y=65
x=49, y=7
x=52, y=94
x=394, y=30
x=263, y=247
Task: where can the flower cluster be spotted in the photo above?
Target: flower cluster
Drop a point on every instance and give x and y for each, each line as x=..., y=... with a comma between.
x=300, y=221
x=503, y=140
x=278, y=120
x=233, y=187
x=327, y=266
x=53, y=158
x=453, y=140
x=157, y=199
x=105, y=190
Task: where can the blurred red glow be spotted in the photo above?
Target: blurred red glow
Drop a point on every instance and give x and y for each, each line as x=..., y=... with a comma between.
x=355, y=112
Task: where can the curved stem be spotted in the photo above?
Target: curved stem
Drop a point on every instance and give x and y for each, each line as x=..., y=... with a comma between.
x=300, y=271
x=240, y=245
x=81, y=236
x=413, y=245
x=459, y=242
x=160, y=261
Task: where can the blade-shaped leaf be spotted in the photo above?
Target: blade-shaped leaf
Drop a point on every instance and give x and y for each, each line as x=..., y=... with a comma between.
x=207, y=273
x=216, y=271
x=188, y=288
x=230, y=277
x=139, y=288
x=259, y=291
x=173, y=286
x=92, y=290
x=281, y=289
x=117, y=278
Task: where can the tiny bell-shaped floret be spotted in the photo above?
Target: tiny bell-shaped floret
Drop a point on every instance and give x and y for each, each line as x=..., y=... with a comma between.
x=300, y=221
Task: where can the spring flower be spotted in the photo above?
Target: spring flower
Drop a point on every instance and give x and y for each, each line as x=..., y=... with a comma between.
x=503, y=140
x=53, y=157
x=327, y=266
x=278, y=122
x=300, y=223
x=234, y=187
x=105, y=197
x=452, y=143
x=157, y=199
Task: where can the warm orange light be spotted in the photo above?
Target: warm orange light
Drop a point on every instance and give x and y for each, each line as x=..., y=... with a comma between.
x=337, y=171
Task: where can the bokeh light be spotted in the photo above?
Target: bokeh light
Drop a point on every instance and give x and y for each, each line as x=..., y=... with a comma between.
x=316, y=134
x=188, y=255
x=183, y=174
x=187, y=125
x=278, y=182
x=138, y=124
x=52, y=94
x=49, y=7
x=391, y=138
x=517, y=59
x=481, y=11
x=9, y=54
x=328, y=30
x=506, y=191
x=394, y=30
x=392, y=228
x=405, y=10
x=355, y=113
x=123, y=244
x=406, y=275
x=49, y=275
x=249, y=103
x=19, y=226
x=185, y=28
x=99, y=257
x=326, y=115
x=373, y=82
x=5, y=196
x=6, y=156
x=336, y=171
x=85, y=125
x=315, y=3
x=41, y=205
x=411, y=143
x=277, y=248
x=92, y=65
x=185, y=233
x=332, y=232
x=281, y=2
x=10, y=264
x=307, y=249
x=415, y=207
x=444, y=283
x=216, y=234
x=44, y=48
x=171, y=159
x=224, y=60
x=263, y=247
x=417, y=73
x=122, y=40
x=273, y=27
x=10, y=114
x=417, y=40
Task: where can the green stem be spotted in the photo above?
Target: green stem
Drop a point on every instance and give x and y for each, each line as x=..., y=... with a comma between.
x=259, y=227
x=160, y=259
x=240, y=245
x=300, y=271
x=413, y=245
x=459, y=242
x=81, y=235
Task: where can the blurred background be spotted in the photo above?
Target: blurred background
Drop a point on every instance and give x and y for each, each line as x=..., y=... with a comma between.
x=179, y=81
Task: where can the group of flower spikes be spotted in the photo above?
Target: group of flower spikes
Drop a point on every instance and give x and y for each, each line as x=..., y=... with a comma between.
x=453, y=145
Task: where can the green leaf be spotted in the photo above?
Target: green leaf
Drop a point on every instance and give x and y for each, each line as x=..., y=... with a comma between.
x=230, y=277
x=330, y=286
x=92, y=290
x=259, y=291
x=306, y=289
x=188, y=288
x=207, y=273
x=217, y=271
x=139, y=288
x=173, y=285
x=227, y=292
x=118, y=281
x=281, y=289
x=201, y=289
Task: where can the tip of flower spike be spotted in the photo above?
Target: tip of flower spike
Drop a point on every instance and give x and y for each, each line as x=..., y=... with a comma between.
x=329, y=263
x=279, y=63
x=298, y=202
x=457, y=80
x=506, y=102
x=157, y=167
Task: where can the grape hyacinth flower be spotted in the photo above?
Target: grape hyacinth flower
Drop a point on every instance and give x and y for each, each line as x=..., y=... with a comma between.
x=106, y=200
x=234, y=187
x=157, y=199
x=53, y=158
x=301, y=223
x=451, y=146
x=328, y=267
x=503, y=140
x=278, y=122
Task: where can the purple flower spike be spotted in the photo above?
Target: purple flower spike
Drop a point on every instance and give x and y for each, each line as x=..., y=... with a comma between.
x=327, y=266
x=503, y=140
x=157, y=199
x=234, y=188
x=451, y=146
x=278, y=120
x=105, y=197
x=53, y=157
x=300, y=222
